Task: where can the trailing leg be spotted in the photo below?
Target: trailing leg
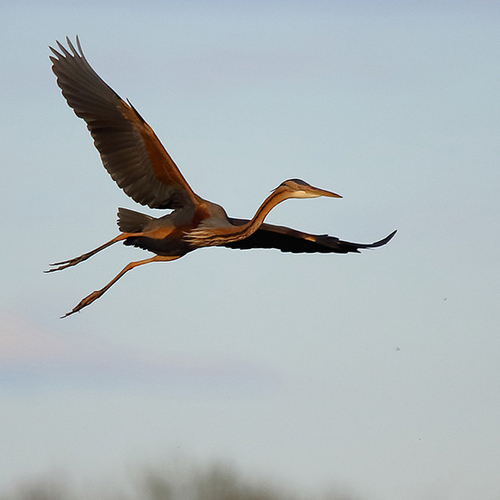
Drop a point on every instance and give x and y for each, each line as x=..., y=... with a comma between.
x=95, y=295
x=73, y=262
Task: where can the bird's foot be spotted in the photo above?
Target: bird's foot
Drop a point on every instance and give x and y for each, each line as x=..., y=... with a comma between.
x=67, y=263
x=85, y=302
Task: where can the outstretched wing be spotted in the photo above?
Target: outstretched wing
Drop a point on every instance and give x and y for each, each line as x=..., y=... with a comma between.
x=291, y=240
x=130, y=150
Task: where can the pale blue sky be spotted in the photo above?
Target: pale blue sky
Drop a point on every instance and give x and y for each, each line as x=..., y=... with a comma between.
x=379, y=371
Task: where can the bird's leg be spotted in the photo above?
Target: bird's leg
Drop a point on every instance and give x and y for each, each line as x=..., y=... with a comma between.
x=73, y=262
x=95, y=295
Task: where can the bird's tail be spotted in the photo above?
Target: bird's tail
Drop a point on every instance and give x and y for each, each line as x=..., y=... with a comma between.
x=132, y=222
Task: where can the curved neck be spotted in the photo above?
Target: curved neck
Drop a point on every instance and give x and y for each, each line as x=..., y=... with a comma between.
x=245, y=230
x=204, y=235
x=275, y=198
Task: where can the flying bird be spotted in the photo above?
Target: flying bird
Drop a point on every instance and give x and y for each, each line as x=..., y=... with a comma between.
x=136, y=160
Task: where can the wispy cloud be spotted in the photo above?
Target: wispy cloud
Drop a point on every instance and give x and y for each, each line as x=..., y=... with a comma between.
x=34, y=357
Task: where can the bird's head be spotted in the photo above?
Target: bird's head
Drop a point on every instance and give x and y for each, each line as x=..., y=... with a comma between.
x=297, y=188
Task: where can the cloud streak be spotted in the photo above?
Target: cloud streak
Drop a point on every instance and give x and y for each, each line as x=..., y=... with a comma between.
x=32, y=357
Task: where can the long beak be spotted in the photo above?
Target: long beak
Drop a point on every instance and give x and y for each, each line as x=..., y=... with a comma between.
x=324, y=192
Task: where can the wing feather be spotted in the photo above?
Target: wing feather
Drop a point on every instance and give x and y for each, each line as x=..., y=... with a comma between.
x=129, y=149
x=291, y=240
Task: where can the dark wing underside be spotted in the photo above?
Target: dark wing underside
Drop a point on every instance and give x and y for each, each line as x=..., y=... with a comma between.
x=130, y=150
x=291, y=240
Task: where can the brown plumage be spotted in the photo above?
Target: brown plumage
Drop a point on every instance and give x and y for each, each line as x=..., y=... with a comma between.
x=140, y=165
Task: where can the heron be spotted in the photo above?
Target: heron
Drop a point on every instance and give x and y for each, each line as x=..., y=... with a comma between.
x=139, y=164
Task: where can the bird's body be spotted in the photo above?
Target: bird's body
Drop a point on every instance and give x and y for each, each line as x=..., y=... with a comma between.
x=167, y=235
x=140, y=165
